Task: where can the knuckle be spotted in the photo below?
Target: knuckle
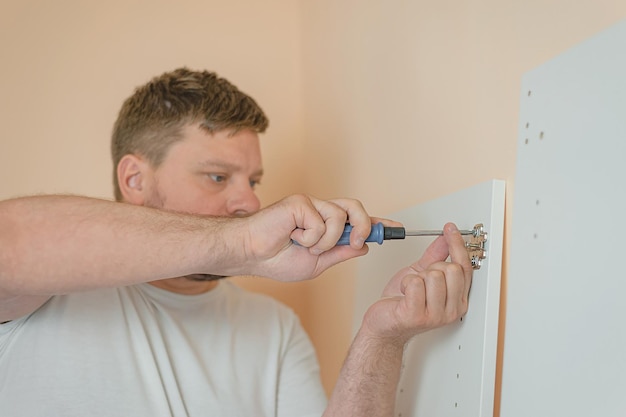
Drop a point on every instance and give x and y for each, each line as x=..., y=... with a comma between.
x=411, y=283
x=453, y=269
x=299, y=197
x=434, y=276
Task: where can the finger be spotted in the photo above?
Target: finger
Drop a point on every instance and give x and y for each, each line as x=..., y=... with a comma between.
x=458, y=253
x=386, y=222
x=394, y=286
x=335, y=218
x=456, y=289
x=310, y=225
x=414, y=291
x=436, y=296
x=359, y=220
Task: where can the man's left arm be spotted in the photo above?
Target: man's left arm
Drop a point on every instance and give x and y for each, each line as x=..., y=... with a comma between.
x=428, y=294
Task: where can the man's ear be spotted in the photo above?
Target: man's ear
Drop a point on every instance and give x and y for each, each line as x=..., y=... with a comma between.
x=133, y=174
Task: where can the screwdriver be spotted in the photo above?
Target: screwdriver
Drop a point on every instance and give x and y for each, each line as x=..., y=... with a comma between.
x=380, y=233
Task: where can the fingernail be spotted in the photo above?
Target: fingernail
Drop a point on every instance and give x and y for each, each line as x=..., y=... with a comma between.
x=359, y=241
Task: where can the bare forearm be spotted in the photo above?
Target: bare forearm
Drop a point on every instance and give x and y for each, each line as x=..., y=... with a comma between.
x=58, y=244
x=368, y=380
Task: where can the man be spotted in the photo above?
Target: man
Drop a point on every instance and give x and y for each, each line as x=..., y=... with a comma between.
x=193, y=344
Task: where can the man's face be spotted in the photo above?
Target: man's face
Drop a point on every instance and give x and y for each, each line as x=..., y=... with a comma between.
x=212, y=174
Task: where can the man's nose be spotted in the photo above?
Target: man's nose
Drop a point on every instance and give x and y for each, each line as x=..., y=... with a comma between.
x=243, y=201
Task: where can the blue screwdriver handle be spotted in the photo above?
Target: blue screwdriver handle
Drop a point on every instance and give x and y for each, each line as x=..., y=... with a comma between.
x=376, y=235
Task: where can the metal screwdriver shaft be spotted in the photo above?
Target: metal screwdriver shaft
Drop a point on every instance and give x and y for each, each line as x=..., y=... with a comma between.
x=433, y=232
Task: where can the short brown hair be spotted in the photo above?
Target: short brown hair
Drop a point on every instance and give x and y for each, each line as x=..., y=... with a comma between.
x=152, y=119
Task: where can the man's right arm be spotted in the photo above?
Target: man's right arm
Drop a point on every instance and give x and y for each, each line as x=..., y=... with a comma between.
x=61, y=244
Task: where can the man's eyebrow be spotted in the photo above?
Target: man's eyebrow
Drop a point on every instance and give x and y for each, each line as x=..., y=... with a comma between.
x=226, y=166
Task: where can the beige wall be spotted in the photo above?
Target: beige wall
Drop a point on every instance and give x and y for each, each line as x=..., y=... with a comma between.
x=67, y=66
x=393, y=103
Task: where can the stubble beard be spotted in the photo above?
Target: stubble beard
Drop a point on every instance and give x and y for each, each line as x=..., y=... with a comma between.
x=157, y=200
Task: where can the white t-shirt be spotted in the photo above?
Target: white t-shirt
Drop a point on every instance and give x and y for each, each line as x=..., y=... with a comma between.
x=143, y=351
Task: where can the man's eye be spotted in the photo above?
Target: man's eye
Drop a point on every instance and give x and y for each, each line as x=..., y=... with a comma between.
x=254, y=183
x=217, y=177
